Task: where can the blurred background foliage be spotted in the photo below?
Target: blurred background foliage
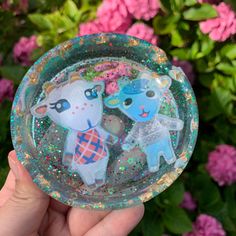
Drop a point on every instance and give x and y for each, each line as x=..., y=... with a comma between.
x=214, y=67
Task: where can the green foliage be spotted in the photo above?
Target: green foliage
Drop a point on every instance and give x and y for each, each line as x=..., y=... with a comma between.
x=214, y=63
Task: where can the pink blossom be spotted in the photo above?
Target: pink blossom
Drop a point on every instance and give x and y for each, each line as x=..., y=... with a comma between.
x=221, y=27
x=143, y=9
x=115, y=73
x=221, y=164
x=187, y=67
x=111, y=72
x=144, y=32
x=113, y=16
x=188, y=202
x=6, y=89
x=206, y=225
x=91, y=27
x=23, y=50
x=21, y=6
x=105, y=66
x=112, y=87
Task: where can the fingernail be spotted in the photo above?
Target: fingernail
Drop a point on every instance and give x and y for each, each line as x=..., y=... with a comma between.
x=13, y=163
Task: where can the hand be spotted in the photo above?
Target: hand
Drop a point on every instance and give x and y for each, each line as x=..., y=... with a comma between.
x=26, y=211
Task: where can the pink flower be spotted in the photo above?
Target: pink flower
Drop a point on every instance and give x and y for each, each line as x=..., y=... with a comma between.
x=91, y=27
x=20, y=6
x=23, y=50
x=187, y=67
x=143, y=9
x=206, y=225
x=188, y=202
x=112, y=87
x=6, y=89
x=221, y=27
x=114, y=16
x=221, y=164
x=144, y=32
x=111, y=72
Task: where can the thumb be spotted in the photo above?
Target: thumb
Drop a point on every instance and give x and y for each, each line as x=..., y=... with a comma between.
x=23, y=212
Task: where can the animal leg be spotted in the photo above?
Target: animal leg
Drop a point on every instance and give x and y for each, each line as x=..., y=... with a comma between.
x=153, y=158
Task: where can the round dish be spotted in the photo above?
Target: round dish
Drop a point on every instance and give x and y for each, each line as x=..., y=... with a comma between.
x=104, y=121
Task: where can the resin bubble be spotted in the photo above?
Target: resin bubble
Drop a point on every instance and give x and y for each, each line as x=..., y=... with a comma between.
x=104, y=121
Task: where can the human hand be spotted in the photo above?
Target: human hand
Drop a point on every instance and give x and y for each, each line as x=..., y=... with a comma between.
x=26, y=211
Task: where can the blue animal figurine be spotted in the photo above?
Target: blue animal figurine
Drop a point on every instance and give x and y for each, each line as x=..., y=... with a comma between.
x=140, y=100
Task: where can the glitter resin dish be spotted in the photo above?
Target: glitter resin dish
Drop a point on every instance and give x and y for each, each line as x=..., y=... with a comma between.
x=104, y=121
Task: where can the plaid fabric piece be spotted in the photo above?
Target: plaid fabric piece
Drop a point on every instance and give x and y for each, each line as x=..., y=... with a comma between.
x=89, y=147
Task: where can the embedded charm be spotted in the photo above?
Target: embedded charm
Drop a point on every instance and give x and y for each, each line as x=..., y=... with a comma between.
x=77, y=106
x=140, y=100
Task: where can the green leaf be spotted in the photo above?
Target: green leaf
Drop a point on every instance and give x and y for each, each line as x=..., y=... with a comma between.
x=165, y=25
x=177, y=39
x=176, y=220
x=181, y=53
x=227, y=68
x=42, y=22
x=229, y=51
x=152, y=225
x=230, y=194
x=174, y=194
x=14, y=73
x=202, y=12
x=206, y=79
x=190, y=2
x=70, y=9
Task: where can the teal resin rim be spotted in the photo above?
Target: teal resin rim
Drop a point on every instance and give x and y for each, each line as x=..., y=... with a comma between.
x=83, y=48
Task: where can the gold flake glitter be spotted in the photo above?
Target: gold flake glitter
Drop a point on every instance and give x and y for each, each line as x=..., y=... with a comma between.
x=159, y=55
x=183, y=156
x=193, y=125
x=188, y=96
x=81, y=42
x=65, y=47
x=146, y=196
x=177, y=75
x=33, y=78
x=43, y=181
x=27, y=156
x=18, y=135
x=19, y=112
x=133, y=42
x=101, y=39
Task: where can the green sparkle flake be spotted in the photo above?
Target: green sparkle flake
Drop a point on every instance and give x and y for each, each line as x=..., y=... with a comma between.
x=130, y=160
x=110, y=190
x=122, y=168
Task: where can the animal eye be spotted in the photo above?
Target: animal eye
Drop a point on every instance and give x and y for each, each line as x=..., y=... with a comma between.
x=61, y=105
x=91, y=93
x=150, y=93
x=127, y=102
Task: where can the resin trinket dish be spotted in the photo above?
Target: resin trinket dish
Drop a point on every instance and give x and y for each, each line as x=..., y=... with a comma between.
x=104, y=121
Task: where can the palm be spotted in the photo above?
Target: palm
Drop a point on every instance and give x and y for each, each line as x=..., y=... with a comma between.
x=58, y=219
